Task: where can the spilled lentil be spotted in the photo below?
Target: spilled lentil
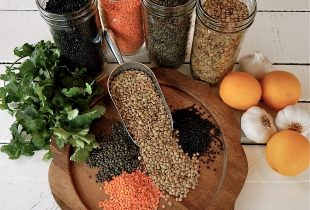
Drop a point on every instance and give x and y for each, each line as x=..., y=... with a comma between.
x=195, y=133
x=134, y=191
x=117, y=154
x=144, y=114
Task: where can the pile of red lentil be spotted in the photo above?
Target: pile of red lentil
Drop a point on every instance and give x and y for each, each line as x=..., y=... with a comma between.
x=169, y=160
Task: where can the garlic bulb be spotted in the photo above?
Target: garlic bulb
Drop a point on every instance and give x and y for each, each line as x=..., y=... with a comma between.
x=257, y=125
x=294, y=117
x=257, y=65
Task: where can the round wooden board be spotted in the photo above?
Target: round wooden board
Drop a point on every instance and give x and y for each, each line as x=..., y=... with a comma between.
x=74, y=187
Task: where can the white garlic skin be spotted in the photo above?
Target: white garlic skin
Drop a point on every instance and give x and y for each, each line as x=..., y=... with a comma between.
x=257, y=65
x=253, y=128
x=294, y=115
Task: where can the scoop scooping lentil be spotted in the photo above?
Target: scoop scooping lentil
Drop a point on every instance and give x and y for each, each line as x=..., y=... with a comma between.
x=144, y=115
x=116, y=154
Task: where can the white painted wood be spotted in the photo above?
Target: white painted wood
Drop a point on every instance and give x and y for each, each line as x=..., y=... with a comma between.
x=24, y=184
x=259, y=170
x=281, y=36
x=267, y=190
x=278, y=5
x=18, y=5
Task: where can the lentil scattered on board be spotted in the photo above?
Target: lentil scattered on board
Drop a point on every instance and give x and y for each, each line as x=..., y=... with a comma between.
x=134, y=191
x=117, y=154
x=142, y=109
x=215, y=50
x=125, y=19
x=195, y=133
x=167, y=35
x=79, y=39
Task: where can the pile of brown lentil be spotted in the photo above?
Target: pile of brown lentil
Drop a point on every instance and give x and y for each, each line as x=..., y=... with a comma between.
x=117, y=154
x=214, y=52
x=143, y=112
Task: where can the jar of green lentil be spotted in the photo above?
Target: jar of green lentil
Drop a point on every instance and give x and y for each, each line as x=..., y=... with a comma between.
x=220, y=29
x=167, y=24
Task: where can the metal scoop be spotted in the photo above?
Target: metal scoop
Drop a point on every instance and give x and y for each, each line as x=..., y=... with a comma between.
x=129, y=66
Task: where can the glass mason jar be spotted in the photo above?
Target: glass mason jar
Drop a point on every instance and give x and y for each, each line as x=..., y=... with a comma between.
x=218, y=35
x=78, y=36
x=125, y=19
x=166, y=32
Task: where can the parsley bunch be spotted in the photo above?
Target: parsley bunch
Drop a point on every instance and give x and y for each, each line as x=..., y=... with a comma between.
x=47, y=99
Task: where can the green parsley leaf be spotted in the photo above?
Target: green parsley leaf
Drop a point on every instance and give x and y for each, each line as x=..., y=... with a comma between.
x=48, y=99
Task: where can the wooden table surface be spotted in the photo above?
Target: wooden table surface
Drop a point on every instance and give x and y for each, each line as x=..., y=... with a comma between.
x=281, y=31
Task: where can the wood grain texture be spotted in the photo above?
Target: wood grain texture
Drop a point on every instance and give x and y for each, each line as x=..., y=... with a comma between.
x=216, y=189
x=281, y=39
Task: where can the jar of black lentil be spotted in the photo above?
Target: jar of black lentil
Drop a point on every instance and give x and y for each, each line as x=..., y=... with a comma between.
x=166, y=30
x=77, y=31
x=220, y=29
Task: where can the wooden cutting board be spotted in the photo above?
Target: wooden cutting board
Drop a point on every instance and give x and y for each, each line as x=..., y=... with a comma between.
x=74, y=187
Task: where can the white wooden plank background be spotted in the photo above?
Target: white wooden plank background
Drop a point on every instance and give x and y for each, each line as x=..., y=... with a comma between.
x=265, y=5
x=284, y=40
x=281, y=31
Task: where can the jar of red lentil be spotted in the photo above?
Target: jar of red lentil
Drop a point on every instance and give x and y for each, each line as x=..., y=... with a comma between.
x=124, y=18
x=220, y=29
x=167, y=24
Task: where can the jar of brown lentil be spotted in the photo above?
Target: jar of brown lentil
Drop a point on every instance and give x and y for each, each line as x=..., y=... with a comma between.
x=219, y=31
x=167, y=25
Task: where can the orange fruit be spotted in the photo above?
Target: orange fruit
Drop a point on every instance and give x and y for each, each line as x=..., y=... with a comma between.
x=240, y=90
x=288, y=153
x=280, y=89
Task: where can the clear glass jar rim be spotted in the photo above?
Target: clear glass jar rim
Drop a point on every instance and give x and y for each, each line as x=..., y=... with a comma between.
x=82, y=13
x=215, y=21
x=176, y=10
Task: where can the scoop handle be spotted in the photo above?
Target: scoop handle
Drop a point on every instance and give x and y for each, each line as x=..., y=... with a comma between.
x=113, y=45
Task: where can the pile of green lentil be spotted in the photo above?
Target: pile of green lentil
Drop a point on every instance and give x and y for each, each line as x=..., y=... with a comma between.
x=117, y=154
x=142, y=109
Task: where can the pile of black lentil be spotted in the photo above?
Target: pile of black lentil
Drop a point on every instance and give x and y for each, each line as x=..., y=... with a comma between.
x=79, y=40
x=117, y=153
x=195, y=132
